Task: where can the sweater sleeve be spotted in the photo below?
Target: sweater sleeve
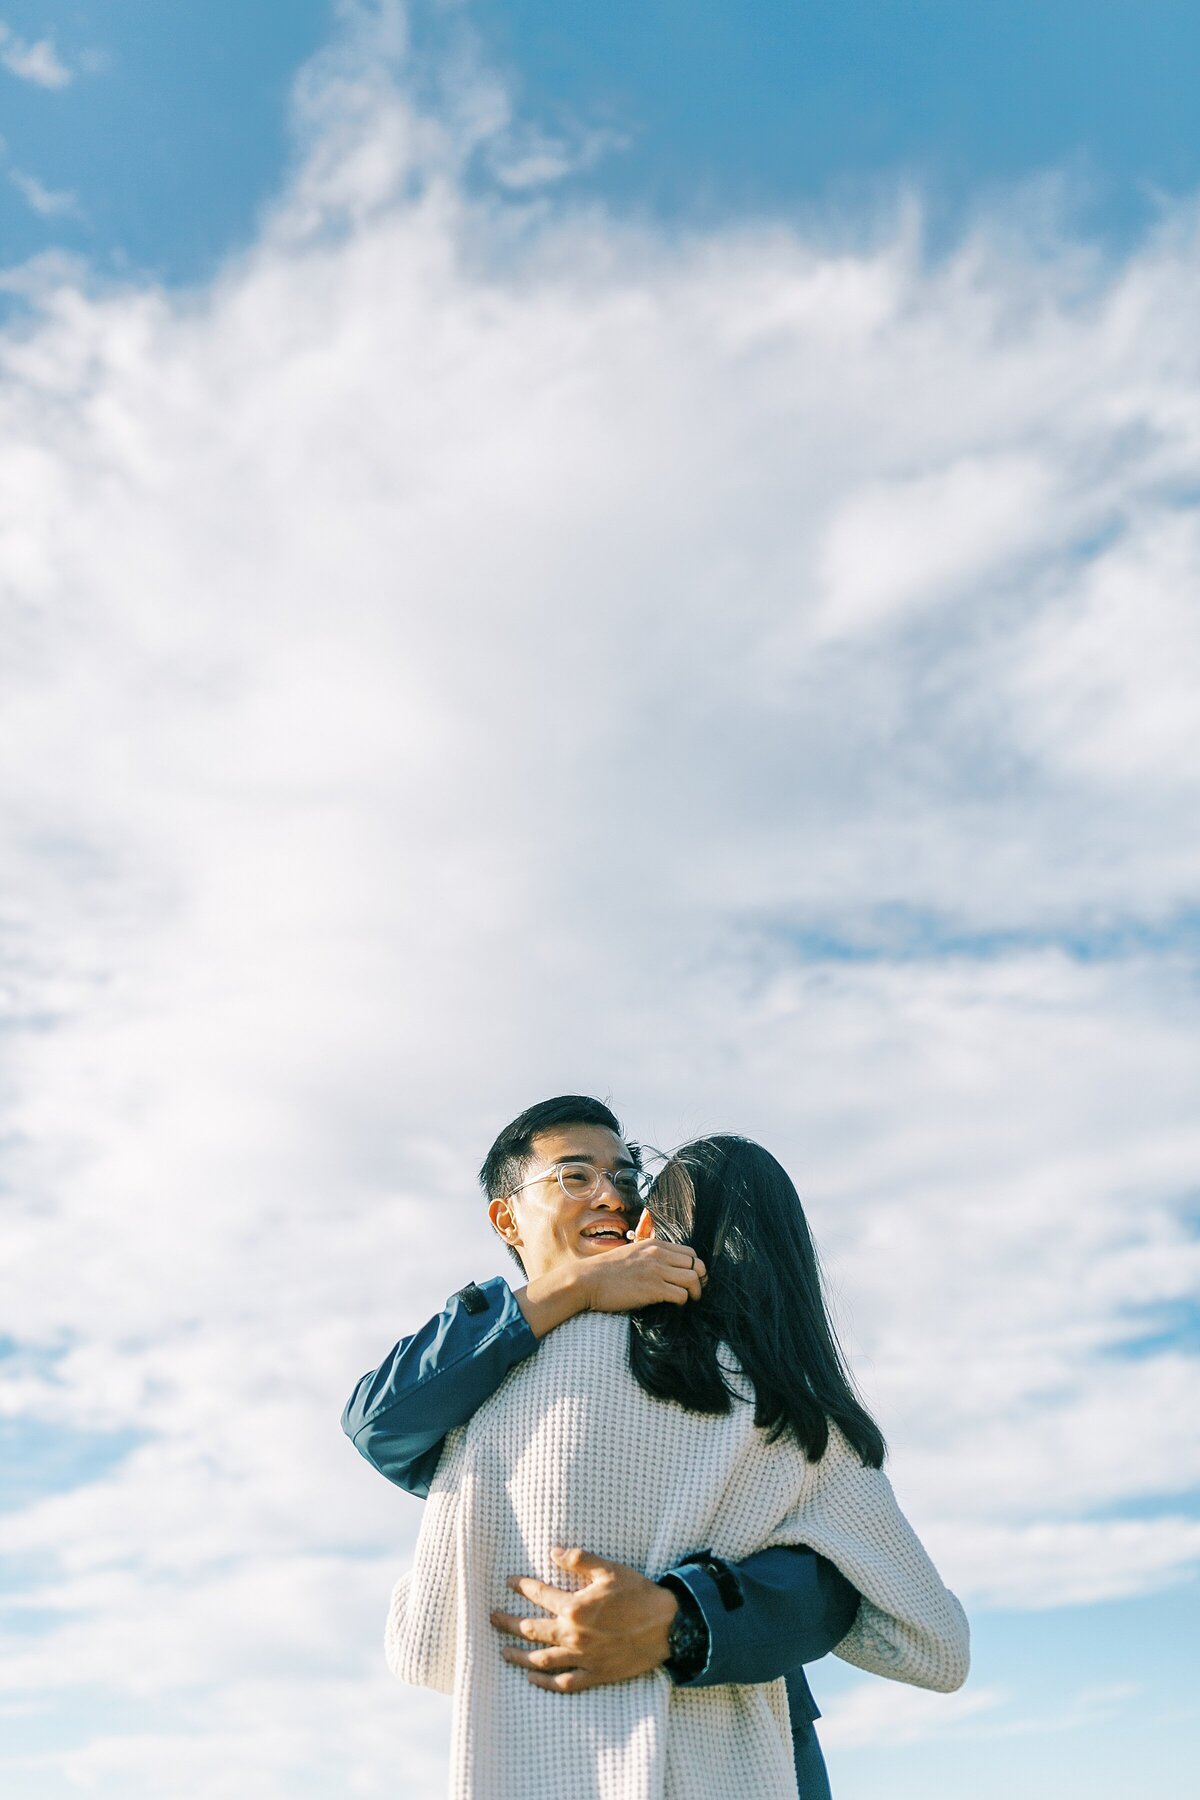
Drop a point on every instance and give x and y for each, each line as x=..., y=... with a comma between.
x=909, y=1626
x=420, y=1640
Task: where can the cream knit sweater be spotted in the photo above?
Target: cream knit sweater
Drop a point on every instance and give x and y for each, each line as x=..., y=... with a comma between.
x=571, y=1451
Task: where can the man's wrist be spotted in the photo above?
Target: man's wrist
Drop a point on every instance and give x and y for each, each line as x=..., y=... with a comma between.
x=687, y=1637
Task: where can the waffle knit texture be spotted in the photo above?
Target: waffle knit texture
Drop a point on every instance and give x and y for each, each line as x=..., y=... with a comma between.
x=570, y=1451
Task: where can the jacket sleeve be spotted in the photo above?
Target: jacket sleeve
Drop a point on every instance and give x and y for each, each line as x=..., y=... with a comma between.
x=768, y=1614
x=399, y=1414
x=909, y=1626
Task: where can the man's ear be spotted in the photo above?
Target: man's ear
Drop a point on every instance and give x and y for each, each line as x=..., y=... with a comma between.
x=504, y=1221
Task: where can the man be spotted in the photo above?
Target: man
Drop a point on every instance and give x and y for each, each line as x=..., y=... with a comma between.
x=564, y=1192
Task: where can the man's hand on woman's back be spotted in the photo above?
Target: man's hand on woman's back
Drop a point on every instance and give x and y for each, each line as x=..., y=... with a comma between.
x=615, y=1626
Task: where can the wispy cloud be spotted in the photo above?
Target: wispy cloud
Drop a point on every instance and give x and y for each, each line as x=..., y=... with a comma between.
x=527, y=158
x=881, y=1712
x=49, y=202
x=37, y=62
x=1071, y=1562
x=430, y=523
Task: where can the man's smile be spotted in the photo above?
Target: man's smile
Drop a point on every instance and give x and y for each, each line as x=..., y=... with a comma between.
x=609, y=1230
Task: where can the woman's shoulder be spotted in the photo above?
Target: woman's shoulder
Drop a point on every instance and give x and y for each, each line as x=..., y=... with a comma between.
x=842, y=1469
x=581, y=1352
x=578, y=1381
x=589, y=1336
x=738, y=1382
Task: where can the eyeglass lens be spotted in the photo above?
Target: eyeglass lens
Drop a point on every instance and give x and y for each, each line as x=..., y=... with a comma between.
x=581, y=1181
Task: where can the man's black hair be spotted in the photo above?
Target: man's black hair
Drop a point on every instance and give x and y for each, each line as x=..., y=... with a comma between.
x=504, y=1165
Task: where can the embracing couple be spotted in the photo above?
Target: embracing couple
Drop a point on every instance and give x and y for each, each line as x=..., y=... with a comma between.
x=652, y=1493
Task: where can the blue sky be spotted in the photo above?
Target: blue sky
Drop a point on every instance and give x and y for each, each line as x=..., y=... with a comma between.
x=172, y=129
x=169, y=132
x=449, y=451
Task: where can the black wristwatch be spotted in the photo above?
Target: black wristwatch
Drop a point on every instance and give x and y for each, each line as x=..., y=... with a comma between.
x=687, y=1641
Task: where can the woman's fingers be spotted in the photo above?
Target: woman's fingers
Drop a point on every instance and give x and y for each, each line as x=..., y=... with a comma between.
x=645, y=1274
x=684, y=1277
x=685, y=1261
x=673, y=1259
x=680, y=1256
x=677, y=1276
x=692, y=1281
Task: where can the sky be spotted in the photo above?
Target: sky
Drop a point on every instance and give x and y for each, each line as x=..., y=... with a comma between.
x=658, y=560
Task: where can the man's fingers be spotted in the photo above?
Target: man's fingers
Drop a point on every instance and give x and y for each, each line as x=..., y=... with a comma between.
x=550, y=1599
x=569, y=1682
x=539, y=1631
x=551, y=1662
x=581, y=1562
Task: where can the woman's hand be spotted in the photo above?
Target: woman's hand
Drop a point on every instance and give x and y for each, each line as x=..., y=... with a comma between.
x=641, y=1273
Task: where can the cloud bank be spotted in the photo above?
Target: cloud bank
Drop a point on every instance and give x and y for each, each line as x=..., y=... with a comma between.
x=480, y=647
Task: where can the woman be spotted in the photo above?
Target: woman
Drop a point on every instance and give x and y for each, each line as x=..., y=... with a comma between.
x=727, y=1425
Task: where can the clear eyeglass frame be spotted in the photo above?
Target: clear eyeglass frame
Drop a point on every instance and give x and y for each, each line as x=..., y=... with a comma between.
x=581, y=1180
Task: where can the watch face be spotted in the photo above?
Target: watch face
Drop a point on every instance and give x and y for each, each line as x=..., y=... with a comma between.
x=687, y=1639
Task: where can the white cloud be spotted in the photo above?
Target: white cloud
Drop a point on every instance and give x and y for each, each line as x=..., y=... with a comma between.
x=529, y=158
x=420, y=695
x=874, y=1714
x=1112, y=687
x=1070, y=1563
x=916, y=540
x=883, y=1712
x=38, y=62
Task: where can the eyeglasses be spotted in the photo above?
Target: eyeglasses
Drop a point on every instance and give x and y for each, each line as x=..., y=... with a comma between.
x=581, y=1180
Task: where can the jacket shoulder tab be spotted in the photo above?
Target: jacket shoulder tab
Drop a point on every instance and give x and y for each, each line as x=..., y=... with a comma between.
x=473, y=1298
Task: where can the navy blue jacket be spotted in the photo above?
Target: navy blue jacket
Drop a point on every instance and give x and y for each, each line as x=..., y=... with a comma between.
x=765, y=1616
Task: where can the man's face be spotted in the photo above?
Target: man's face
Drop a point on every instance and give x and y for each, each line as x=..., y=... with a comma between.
x=551, y=1226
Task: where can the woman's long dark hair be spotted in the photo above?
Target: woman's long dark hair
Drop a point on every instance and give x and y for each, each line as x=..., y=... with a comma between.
x=736, y=1206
